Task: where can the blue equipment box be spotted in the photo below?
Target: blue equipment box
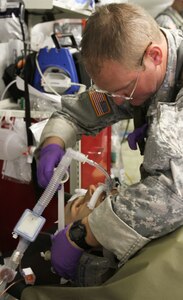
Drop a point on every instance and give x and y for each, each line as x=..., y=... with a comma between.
x=60, y=59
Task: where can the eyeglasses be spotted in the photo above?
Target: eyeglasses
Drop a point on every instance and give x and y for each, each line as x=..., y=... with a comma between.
x=114, y=95
x=93, y=87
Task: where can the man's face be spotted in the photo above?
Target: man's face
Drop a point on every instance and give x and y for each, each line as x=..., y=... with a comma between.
x=116, y=79
x=137, y=85
x=78, y=209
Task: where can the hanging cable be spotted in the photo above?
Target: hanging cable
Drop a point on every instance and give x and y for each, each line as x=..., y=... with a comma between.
x=6, y=89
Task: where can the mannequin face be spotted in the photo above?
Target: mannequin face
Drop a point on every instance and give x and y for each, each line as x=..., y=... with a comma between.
x=78, y=209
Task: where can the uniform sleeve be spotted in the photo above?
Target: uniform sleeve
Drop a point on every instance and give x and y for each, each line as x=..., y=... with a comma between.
x=113, y=233
x=123, y=224
x=87, y=113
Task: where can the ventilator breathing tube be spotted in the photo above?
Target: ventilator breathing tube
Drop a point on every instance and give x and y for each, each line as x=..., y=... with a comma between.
x=7, y=271
x=59, y=174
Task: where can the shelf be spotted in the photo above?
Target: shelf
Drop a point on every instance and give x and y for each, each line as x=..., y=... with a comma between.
x=84, y=13
x=11, y=109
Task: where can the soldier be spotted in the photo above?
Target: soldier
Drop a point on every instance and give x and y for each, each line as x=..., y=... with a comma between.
x=171, y=17
x=133, y=65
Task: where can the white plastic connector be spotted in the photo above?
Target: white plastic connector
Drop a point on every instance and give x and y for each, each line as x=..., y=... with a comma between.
x=14, y=235
x=29, y=276
x=77, y=155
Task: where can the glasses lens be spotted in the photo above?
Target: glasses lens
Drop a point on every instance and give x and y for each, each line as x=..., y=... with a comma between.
x=113, y=95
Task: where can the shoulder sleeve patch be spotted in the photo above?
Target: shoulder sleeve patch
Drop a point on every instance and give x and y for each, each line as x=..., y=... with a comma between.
x=100, y=103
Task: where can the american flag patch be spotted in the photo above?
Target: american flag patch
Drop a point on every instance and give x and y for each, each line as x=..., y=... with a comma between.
x=99, y=103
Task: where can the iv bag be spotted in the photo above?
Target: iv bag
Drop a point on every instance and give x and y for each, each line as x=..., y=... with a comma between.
x=11, y=144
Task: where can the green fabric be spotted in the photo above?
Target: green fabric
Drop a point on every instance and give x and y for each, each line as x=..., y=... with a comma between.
x=156, y=272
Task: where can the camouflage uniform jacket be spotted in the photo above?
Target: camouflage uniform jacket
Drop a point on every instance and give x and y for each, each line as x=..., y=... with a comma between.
x=170, y=18
x=152, y=207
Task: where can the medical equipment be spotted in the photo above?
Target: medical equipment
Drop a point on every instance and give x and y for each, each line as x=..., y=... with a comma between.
x=34, y=220
x=56, y=69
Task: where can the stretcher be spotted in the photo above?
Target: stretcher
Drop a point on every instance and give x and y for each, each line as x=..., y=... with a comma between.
x=155, y=272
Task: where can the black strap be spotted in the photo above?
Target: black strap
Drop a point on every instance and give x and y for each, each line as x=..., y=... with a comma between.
x=139, y=120
x=27, y=80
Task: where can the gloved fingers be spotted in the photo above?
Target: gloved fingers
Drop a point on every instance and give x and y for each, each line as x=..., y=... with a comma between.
x=45, y=178
x=137, y=135
x=132, y=141
x=64, y=256
x=44, y=173
x=50, y=156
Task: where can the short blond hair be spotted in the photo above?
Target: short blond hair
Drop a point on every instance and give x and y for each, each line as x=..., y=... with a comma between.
x=119, y=32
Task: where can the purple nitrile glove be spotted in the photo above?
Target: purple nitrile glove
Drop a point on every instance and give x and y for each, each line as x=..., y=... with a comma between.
x=137, y=135
x=49, y=159
x=64, y=256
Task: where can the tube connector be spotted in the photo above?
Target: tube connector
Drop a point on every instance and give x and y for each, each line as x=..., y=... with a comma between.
x=77, y=155
x=16, y=257
x=29, y=276
x=7, y=274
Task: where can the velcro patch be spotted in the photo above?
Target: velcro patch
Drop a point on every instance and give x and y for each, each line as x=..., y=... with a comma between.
x=100, y=103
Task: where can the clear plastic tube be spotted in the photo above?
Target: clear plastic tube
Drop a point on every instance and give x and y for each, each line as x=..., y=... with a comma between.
x=109, y=181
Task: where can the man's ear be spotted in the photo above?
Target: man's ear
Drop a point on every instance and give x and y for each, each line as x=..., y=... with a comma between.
x=154, y=52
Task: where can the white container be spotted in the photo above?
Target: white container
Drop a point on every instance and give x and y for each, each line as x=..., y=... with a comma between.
x=11, y=145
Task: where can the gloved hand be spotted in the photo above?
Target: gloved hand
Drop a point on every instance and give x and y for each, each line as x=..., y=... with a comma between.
x=137, y=135
x=50, y=157
x=64, y=256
